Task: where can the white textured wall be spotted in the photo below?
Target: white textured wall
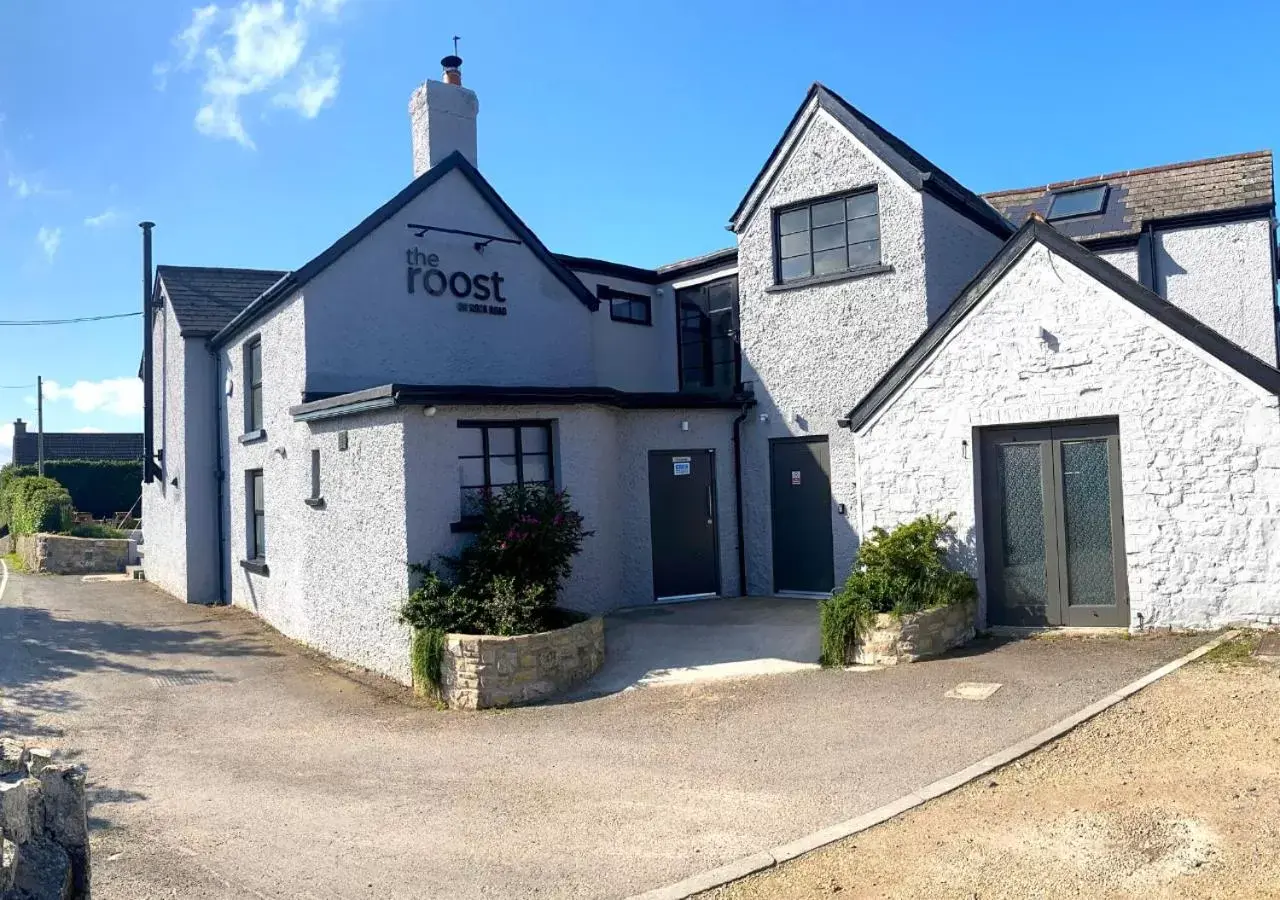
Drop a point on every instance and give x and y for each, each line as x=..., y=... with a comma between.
x=812, y=352
x=363, y=327
x=1200, y=447
x=601, y=458
x=633, y=357
x=1221, y=274
x=955, y=249
x=164, y=508
x=1127, y=261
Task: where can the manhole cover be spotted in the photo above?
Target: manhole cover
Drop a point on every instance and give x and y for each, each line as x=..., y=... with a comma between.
x=973, y=690
x=186, y=679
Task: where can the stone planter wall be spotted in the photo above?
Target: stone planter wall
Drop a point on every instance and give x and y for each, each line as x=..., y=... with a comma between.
x=893, y=640
x=483, y=671
x=44, y=831
x=58, y=554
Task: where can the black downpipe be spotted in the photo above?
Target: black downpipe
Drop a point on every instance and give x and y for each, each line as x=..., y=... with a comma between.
x=219, y=474
x=1152, y=258
x=148, y=435
x=737, y=499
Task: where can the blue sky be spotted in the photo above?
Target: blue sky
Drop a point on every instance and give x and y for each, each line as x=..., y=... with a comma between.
x=255, y=133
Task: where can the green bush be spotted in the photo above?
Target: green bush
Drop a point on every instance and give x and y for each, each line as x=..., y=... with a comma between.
x=36, y=505
x=94, y=530
x=505, y=582
x=101, y=487
x=899, y=572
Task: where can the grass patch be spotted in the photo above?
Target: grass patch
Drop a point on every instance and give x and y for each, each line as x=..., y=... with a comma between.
x=1236, y=652
x=15, y=563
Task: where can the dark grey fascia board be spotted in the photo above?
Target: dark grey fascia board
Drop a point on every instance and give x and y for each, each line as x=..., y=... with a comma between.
x=389, y=395
x=869, y=133
x=1034, y=230
x=708, y=262
x=293, y=281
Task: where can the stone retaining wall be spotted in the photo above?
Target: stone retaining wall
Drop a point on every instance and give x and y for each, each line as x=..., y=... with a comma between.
x=44, y=831
x=58, y=554
x=483, y=671
x=907, y=638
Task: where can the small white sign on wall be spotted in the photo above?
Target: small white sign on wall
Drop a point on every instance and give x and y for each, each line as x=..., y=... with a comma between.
x=681, y=465
x=795, y=477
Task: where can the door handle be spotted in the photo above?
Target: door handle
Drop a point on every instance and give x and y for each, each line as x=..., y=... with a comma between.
x=710, y=510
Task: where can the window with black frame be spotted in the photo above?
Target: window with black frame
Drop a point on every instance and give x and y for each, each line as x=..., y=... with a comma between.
x=828, y=237
x=708, y=336
x=497, y=454
x=257, y=543
x=253, y=386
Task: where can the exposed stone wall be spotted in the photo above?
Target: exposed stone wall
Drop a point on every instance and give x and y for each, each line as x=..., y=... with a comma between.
x=57, y=554
x=907, y=638
x=44, y=830
x=480, y=671
x=1199, y=444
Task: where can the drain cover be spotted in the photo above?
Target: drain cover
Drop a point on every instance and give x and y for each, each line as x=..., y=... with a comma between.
x=973, y=690
x=186, y=679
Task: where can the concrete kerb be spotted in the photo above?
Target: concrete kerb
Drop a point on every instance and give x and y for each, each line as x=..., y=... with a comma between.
x=765, y=859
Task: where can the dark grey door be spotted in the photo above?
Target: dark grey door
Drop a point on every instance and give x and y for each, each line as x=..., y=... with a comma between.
x=800, y=477
x=1054, y=526
x=682, y=522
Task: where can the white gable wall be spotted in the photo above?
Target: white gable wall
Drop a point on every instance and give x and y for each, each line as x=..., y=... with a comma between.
x=364, y=328
x=955, y=248
x=164, y=507
x=812, y=352
x=1200, y=445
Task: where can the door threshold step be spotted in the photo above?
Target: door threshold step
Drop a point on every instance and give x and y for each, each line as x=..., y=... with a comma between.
x=1063, y=630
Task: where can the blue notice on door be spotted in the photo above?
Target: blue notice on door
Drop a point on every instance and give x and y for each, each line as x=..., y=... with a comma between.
x=680, y=465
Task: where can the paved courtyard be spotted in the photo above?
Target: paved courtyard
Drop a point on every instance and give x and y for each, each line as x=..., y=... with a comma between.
x=226, y=762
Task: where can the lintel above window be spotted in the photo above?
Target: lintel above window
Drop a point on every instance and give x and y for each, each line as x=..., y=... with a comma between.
x=1068, y=204
x=827, y=236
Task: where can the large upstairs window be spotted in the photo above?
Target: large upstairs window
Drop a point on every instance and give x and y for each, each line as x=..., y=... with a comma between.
x=707, y=315
x=827, y=237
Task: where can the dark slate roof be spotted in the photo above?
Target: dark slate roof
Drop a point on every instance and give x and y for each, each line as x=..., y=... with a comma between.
x=909, y=163
x=388, y=395
x=293, y=281
x=716, y=259
x=1239, y=182
x=1185, y=324
x=204, y=299
x=58, y=445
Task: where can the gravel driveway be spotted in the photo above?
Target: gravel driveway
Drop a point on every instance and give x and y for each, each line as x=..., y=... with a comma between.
x=226, y=762
x=1173, y=793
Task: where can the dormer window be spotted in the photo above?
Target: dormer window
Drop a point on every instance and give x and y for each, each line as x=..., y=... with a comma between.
x=828, y=236
x=1079, y=202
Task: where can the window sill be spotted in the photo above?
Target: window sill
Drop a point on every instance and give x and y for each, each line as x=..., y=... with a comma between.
x=315, y=502
x=466, y=526
x=252, y=437
x=828, y=279
x=256, y=566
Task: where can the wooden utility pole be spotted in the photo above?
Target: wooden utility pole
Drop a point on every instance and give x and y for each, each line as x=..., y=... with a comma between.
x=39, y=425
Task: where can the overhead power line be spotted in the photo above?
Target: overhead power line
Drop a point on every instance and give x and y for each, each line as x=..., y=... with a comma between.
x=17, y=322
x=17, y=387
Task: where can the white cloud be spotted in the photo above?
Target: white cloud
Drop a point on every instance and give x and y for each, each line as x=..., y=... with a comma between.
x=259, y=47
x=102, y=219
x=117, y=396
x=49, y=240
x=6, y=443
x=24, y=187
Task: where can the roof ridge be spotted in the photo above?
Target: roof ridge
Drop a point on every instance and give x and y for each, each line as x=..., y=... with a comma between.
x=219, y=269
x=1126, y=173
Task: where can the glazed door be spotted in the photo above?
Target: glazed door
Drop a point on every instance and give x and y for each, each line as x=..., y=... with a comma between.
x=682, y=524
x=1054, y=527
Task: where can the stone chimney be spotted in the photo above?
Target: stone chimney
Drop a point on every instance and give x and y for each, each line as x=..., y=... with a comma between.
x=443, y=118
x=19, y=427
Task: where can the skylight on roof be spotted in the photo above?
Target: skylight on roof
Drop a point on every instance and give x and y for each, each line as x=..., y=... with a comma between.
x=1079, y=202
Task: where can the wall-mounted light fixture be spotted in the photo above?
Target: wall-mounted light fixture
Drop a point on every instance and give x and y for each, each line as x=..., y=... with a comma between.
x=684, y=425
x=429, y=411
x=764, y=417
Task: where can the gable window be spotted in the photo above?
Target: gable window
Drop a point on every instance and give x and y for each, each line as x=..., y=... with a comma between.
x=257, y=519
x=1081, y=202
x=497, y=454
x=827, y=237
x=625, y=306
x=708, y=336
x=253, y=386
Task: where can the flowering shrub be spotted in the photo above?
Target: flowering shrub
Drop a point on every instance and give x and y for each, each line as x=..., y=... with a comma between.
x=508, y=579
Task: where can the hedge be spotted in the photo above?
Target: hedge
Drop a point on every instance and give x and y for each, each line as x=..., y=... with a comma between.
x=36, y=505
x=102, y=487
